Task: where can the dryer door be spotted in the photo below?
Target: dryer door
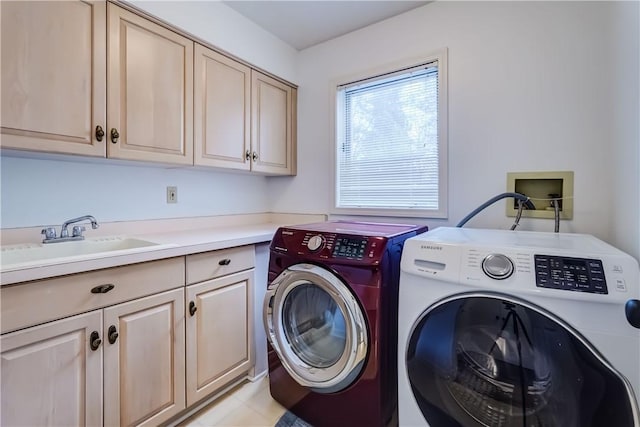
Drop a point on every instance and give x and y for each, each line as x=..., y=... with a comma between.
x=317, y=327
x=492, y=360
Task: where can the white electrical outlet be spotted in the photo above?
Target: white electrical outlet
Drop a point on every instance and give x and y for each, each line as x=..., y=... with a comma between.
x=172, y=194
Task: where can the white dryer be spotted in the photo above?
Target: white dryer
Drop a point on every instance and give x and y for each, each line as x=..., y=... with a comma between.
x=516, y=328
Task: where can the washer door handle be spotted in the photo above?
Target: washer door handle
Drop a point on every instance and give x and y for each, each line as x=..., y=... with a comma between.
x=267, y=313
x=632, y=311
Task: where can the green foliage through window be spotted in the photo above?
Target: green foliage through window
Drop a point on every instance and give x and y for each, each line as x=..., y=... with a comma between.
x=387, y=151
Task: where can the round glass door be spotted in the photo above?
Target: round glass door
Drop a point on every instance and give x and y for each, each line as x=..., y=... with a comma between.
x=492, y=361
x=317, y=327
x=314, y=325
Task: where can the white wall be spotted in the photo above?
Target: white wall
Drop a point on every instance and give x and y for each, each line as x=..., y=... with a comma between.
x=44, y=191
x=226, y=29
x=530, y=89
x=625, y=136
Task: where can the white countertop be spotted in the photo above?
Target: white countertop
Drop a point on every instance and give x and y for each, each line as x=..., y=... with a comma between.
x=171, y=244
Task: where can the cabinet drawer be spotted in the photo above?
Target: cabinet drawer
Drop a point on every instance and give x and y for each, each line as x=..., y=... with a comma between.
x=209, y=265
x=31, y=303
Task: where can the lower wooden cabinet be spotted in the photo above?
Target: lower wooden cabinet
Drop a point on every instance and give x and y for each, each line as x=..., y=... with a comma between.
x=127, y=346
x=144, y=360
x=52, y=374
x=219, y=333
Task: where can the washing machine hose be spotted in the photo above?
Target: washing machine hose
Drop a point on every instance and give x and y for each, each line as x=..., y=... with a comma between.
x=518, y=196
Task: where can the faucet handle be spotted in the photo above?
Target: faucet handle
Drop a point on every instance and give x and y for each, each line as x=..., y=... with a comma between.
x=49, y=233
x=77, y=231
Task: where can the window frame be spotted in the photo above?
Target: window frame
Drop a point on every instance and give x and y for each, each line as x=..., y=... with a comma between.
x=440, y=57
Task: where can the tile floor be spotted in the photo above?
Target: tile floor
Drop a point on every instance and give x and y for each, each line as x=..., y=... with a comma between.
x=248, y=404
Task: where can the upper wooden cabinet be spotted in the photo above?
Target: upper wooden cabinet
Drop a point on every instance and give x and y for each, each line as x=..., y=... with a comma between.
x=222, y=113
x=94, y=78
x=55, y=88
x=150, y=90
x=53, y=76
x=243, y=119
x=273, y=125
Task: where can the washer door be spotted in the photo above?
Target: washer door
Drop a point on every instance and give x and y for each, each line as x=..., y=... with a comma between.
x=492, y=360
x=317, y=327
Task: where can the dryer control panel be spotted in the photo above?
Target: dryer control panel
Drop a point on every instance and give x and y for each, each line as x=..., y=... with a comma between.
x=322, y=246
x=574, y=274
x=341, y=242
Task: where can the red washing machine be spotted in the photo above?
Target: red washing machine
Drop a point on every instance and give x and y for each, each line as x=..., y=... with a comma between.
x=331, y=314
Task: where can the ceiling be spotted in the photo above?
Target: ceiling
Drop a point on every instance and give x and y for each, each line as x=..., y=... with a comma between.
x=304, y=23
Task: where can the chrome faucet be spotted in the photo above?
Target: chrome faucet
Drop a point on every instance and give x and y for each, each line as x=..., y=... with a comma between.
x=76, y=231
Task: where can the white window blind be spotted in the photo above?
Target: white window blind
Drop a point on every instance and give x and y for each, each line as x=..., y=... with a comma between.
x=387, y=141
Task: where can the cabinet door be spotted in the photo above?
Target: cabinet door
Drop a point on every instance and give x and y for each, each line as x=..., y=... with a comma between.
x=219, y=333
x=53, y=76
x=150, y=90
x=222, y=110
x=273, y=125
x=144, y=363
x=51, y=376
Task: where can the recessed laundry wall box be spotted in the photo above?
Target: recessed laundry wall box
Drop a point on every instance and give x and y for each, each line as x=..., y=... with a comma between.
x=542, y=188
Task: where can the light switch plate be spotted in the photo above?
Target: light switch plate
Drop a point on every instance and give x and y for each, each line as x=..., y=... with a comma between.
x=172, y=194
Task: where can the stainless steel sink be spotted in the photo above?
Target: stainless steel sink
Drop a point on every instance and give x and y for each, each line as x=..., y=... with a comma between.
x=14, y=256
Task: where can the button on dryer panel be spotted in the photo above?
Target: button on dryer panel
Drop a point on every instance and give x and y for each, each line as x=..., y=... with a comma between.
x=575, y=274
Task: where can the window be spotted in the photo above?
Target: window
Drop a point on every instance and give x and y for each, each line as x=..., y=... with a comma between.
x=391, y=143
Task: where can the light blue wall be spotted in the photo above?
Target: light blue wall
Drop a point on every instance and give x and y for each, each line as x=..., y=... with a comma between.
x=41, y=192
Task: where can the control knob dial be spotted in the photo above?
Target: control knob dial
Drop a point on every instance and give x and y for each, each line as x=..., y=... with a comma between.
x=315, y=243
x=497, y=266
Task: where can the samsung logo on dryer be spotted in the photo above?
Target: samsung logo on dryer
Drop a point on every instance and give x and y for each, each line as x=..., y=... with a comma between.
x=431, y=247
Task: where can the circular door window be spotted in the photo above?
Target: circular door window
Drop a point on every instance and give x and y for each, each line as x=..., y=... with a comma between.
x=314, y=325
x=494, y=361
x=317, y=327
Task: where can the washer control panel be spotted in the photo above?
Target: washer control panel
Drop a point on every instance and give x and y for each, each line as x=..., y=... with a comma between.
x=573, y=274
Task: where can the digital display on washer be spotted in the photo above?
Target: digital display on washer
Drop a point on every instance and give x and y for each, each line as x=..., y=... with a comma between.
x=573, y=274
x=349, y=247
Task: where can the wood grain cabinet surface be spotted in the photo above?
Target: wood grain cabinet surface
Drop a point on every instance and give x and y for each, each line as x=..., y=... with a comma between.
x=150, y=90
x=127, y=357
x=219, y=333
x=132, y=345
x=243, y=119
x=222, y=111
x=273, y=125
x=50, y=375
x=144, y=363
x=93, y=78
x=219, y=319
x=55, y=90
x=53, y=76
